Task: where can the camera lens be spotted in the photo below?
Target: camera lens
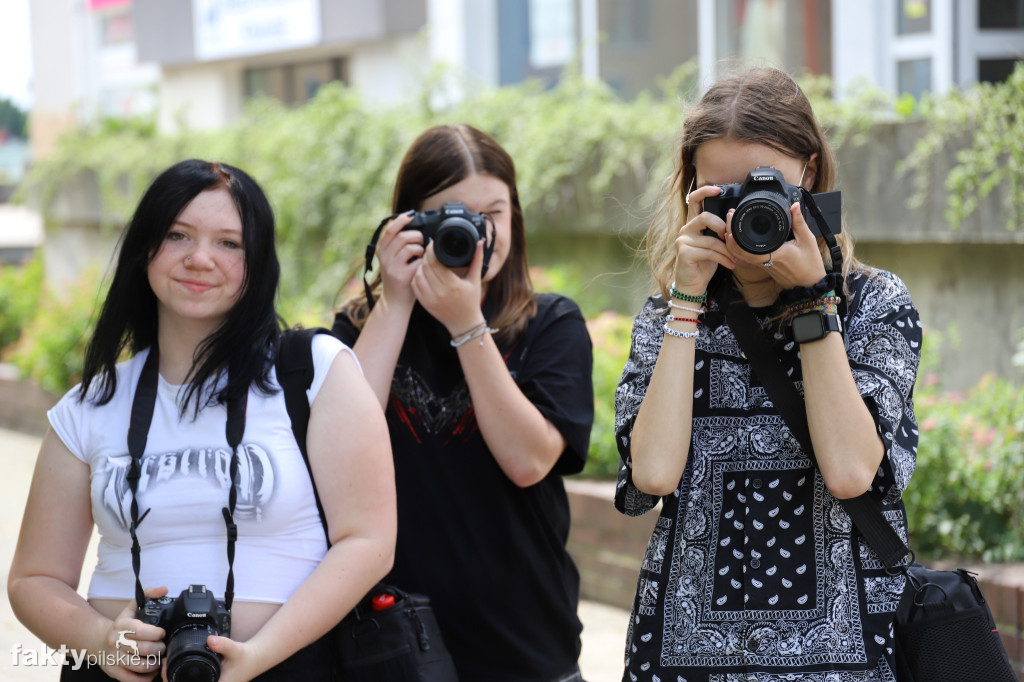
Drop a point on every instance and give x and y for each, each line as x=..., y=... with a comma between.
x=761, y=223
x=455, y=242
x=189, y=659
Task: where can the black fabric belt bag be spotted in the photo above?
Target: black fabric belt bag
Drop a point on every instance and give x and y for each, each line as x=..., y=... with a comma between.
x=944, y=630
x=400, y=642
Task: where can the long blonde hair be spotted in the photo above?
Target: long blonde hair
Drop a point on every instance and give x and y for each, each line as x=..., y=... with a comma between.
x=761, y=105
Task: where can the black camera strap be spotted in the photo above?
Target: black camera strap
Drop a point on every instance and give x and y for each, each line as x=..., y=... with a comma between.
x=138, y=433
x=835, y=252
x=371, y=249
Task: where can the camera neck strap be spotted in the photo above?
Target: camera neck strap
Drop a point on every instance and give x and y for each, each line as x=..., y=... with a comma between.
x=140, y=420
x=827, y=233
x=371, y=249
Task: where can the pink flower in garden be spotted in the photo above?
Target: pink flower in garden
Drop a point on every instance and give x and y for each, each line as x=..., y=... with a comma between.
x=929, y=424
x=983, y=438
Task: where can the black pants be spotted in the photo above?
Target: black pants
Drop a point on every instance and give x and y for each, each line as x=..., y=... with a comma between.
x=313, y=663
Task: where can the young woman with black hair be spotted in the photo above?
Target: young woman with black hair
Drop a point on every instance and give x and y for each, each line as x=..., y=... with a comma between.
x=191, y=307
x=488, y=394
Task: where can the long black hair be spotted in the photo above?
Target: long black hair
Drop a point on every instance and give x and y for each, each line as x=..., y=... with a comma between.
x=128, y=320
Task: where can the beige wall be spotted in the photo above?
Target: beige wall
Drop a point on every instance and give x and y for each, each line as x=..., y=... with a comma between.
x=971, y=294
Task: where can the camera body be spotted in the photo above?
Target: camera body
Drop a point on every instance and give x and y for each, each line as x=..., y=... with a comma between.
x=454, y=229
x=187, y=621
x=762, y=222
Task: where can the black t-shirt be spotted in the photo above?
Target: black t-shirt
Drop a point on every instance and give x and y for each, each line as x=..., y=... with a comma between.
x=490, y=555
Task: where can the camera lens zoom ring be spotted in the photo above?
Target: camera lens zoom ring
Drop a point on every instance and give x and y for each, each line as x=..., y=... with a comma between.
x=188, y=657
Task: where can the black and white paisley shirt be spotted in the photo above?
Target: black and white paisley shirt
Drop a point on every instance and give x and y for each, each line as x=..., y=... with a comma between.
x=754, y=571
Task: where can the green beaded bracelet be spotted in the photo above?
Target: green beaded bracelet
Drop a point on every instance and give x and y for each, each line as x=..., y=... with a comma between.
x=676, y=294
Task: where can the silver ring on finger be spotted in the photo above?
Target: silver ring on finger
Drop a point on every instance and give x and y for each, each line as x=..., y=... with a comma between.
x=767, y=265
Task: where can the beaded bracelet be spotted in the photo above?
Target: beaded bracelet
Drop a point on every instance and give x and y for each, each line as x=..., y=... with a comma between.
x=673, y=318
x=675, y=293
x=828, y=309
x=828, y=304
x=681, y=335
x=689, y=309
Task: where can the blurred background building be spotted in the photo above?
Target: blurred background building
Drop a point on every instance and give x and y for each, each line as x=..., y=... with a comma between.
x=195, y=62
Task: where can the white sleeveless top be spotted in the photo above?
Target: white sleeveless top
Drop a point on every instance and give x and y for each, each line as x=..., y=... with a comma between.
x=184, y=485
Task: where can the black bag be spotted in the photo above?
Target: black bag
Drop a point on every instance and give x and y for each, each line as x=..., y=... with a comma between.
x=944, y=629
x=391, y=635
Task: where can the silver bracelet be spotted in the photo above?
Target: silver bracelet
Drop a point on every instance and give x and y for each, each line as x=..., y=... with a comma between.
x=472, y=334
x=682, y=335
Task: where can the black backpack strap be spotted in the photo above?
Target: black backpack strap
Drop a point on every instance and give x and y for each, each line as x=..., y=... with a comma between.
x=295, y=371
x=864, y=510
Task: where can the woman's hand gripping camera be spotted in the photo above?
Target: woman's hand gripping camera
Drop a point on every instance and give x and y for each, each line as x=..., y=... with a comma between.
x=706, y=241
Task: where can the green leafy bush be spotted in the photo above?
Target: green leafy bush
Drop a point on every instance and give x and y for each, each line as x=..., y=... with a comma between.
x=967, y=494
x=51, y=351
x=20, y=286
x=989, y=119
x=610, y=333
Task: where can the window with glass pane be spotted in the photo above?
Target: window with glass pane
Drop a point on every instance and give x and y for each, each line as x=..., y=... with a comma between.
x=913, y=16
x=293, y=83
x=995, y=70
x=1001, y=14
x=795, y=35
x=914, y=77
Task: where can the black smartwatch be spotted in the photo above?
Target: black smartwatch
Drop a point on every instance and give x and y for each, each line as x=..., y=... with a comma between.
x=813, y=326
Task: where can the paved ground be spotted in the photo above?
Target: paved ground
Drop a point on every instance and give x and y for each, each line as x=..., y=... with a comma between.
x=604, y=627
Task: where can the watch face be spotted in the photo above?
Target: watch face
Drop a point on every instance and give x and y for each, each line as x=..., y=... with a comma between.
x=808, y=327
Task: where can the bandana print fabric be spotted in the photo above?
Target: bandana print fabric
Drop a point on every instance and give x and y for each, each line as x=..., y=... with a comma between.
x=754, y=571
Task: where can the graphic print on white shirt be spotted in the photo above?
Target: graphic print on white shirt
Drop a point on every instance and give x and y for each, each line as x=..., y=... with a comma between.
x=210, y=464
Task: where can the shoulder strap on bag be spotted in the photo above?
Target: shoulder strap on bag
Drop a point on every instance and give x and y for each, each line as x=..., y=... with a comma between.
x=864, y=510
x=295, y=371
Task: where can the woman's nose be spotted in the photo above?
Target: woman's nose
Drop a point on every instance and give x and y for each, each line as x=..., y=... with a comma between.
x=199, y=258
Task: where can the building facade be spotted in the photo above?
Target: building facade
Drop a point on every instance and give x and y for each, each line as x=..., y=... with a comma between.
x=196, y=62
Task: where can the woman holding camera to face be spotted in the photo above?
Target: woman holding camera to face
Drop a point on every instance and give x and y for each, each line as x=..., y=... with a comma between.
x=488, y=395
x=192, y=302
x=753, y=570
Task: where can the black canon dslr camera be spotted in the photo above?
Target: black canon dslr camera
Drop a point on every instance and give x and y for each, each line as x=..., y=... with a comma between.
x=454, y=229
x=762, y=222
x=187, y=622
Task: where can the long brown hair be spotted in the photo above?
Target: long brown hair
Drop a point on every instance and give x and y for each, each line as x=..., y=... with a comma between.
x=439, y=158
x=761, y=105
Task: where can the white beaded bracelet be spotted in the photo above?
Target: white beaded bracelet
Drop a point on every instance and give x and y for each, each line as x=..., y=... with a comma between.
x=673, y=304
x=682, y=335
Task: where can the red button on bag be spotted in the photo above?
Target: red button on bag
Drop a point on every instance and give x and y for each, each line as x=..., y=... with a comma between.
x=382, y=601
